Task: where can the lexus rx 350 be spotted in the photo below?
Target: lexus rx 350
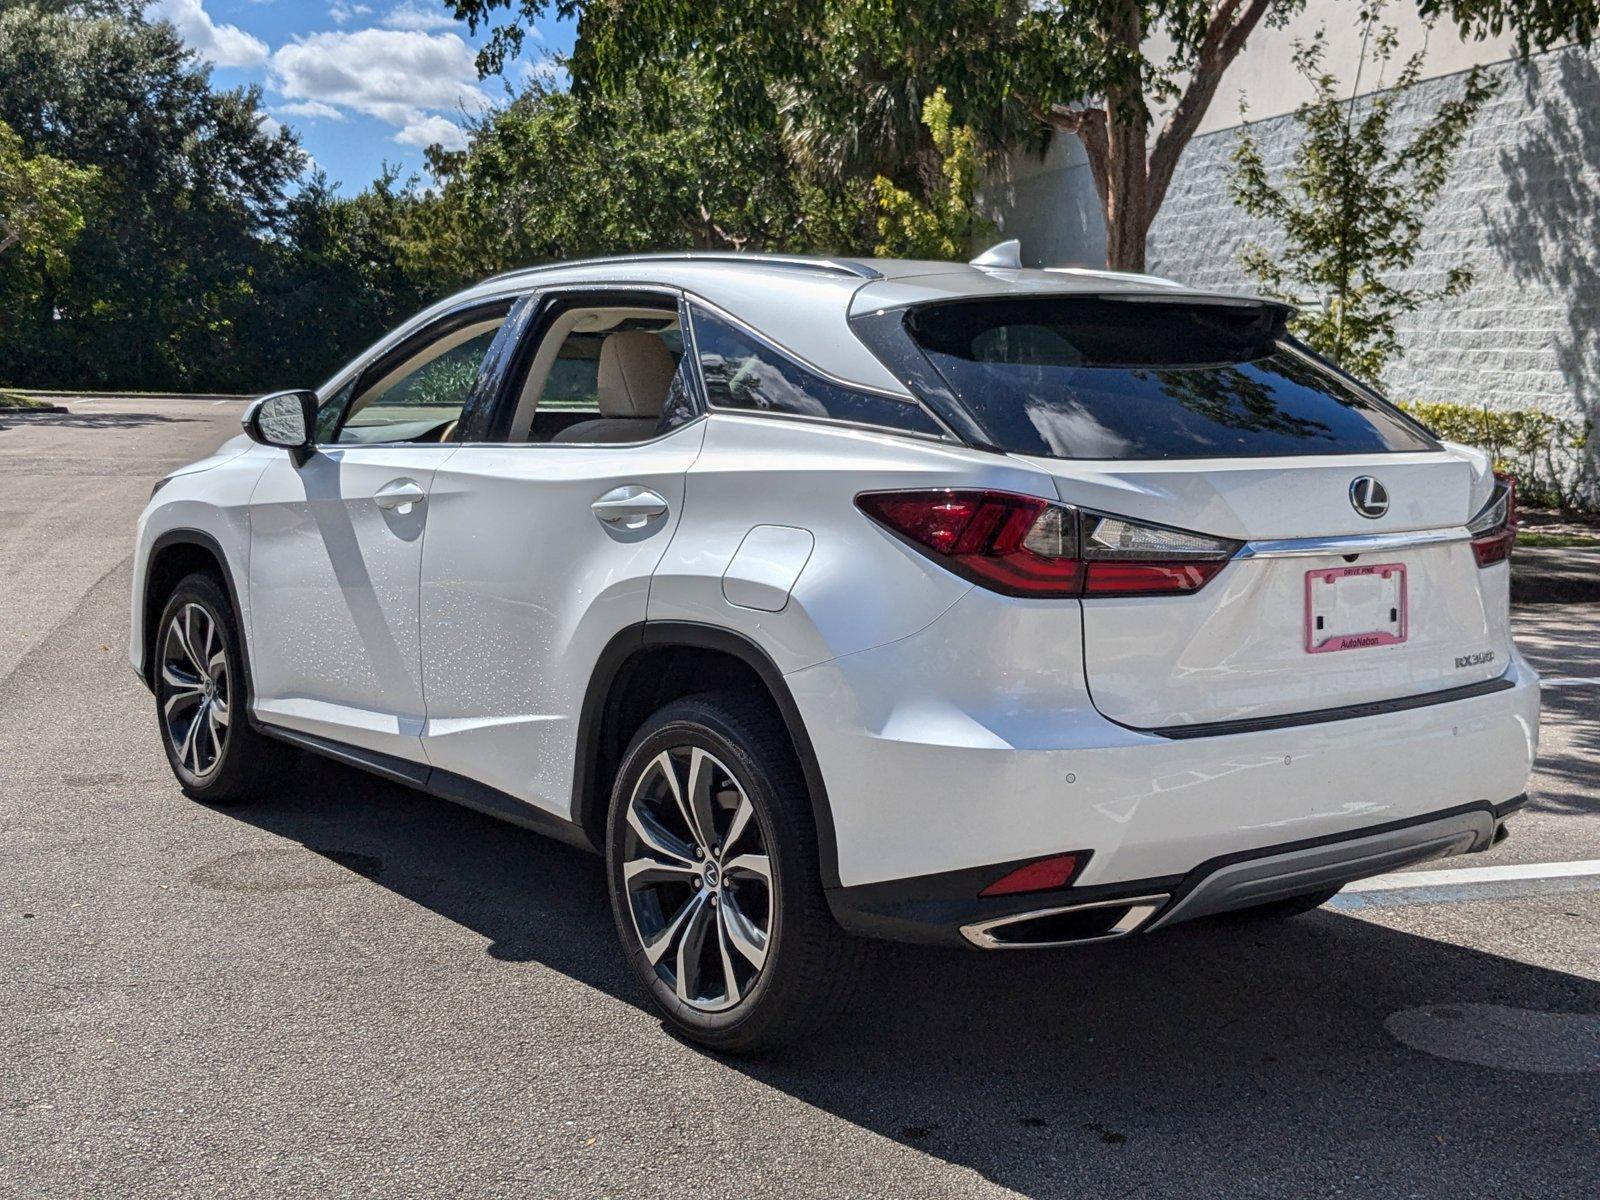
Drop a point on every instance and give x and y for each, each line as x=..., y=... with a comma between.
x=945, y=603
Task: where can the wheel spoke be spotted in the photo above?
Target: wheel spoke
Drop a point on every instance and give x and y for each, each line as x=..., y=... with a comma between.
x=642, y=872
x=655, y=949
x=701, y=772
x=691, y=950
x=189, y=751
x=176, y=704
x=650, y=832
x=186, y=640
x=742, y=817
x=758, y=865
x=181, y=680
x=219, y=709
x=214, y=732
x=730, y=976
x=747, y=939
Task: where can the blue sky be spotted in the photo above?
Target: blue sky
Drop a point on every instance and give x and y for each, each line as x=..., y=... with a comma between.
x=363, y=82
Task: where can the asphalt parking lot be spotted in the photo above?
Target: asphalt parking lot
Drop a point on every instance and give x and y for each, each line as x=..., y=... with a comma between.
x=353, y=989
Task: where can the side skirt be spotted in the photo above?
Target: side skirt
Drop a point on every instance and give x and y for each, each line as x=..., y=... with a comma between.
x=445, y=785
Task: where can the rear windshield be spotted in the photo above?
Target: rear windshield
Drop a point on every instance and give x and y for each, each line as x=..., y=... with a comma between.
x=1104, y=379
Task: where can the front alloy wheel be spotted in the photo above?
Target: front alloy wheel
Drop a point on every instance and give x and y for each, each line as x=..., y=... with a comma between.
x=202, y=698
x=195, y=690
x=698, y=878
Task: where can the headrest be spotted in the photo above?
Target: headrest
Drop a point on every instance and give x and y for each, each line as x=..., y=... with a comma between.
x=635, y=372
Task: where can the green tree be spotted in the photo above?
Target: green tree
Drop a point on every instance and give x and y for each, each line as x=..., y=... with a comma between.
x=1100, y=69
x=555, y=175
x=1352, y=204
x=159, y=290
x=946, y=222
x=42, y=202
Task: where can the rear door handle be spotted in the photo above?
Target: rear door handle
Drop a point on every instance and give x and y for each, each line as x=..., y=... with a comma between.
x=401, y=495
x=629, y=507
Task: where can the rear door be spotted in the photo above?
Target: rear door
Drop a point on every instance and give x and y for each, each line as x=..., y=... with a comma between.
x=1356, y=579
x=541, y=543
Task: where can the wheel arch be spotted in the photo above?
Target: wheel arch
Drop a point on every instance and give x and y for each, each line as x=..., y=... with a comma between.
x=617, y=701
x=173, y=555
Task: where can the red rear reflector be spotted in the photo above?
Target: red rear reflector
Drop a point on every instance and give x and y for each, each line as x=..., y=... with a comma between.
x=1046, y=875
x=1148, y=579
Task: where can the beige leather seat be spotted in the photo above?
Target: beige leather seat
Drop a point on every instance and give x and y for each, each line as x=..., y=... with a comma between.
x=635, y=371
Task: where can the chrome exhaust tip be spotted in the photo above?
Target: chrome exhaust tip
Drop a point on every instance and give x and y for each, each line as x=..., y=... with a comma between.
x=1068, y=925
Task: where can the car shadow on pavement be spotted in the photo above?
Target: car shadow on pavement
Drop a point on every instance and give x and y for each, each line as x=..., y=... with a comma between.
x=1256, y=1056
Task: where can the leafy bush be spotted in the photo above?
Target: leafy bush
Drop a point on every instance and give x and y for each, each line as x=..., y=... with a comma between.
x=1543, y=451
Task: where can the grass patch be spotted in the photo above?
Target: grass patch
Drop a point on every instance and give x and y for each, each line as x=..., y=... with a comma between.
x=1529, y=538
x=16, y=400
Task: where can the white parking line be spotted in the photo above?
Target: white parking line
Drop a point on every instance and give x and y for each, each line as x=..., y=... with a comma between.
x=1566, y=681
x=1470, y=883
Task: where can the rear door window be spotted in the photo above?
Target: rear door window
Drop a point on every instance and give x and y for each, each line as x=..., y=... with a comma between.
x=1113, y=379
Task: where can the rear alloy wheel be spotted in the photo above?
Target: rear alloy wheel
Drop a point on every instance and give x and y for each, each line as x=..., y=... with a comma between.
x=711, y=854
x=200, y=687
x=697, y=878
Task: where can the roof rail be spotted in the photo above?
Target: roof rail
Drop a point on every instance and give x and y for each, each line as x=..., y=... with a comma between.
x=836, y=266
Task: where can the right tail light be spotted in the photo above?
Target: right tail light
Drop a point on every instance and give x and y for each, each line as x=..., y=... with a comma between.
x=1027, y=546
x=1494, y=529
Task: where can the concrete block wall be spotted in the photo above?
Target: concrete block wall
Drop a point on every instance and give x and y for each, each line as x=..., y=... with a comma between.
x=1522, y=209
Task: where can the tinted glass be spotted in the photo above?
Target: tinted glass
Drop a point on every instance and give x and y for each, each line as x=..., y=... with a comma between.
x=741, y=373
x=1087, y=378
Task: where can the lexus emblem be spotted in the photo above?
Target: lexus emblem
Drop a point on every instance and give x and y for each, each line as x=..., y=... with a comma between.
x=1369, y=497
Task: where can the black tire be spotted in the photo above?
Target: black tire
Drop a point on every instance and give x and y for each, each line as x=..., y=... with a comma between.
x=241, y=763
x=811, y=965
x=1282, y=910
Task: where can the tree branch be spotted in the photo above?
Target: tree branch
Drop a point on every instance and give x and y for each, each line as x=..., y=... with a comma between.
x=1225, y=36
x=1089, y=125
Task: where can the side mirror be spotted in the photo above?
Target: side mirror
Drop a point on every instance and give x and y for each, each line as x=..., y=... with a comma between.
x=286, y=420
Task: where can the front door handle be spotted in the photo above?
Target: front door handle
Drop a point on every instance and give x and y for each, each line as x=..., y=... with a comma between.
x=629, y=507
x=401, y=495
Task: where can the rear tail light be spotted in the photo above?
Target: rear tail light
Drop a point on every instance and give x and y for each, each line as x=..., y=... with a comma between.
x=1026, y=546
x=1494, y=529
x=1046, y=875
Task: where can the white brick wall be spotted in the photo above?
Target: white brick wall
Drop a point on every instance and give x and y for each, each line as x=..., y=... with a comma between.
x=1522, y=209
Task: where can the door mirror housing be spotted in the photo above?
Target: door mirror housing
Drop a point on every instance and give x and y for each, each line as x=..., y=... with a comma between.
x=287, y=420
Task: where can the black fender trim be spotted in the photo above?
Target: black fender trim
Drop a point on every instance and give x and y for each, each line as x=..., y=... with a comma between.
x=191, y=537
x=587, y=804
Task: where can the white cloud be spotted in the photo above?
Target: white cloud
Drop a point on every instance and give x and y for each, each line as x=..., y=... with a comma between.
x=344, y=12
x=269, y=125
x=416, y=14
x=311, y=110
x=398, y=76
x=426, y=131
x=222, y=45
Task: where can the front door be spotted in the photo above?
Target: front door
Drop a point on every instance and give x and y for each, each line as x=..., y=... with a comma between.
x=336, y=546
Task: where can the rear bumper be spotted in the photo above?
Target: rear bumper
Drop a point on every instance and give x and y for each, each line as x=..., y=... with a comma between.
x=947, y=909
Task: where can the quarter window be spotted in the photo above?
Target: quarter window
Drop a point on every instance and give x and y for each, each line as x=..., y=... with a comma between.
x=744, y=374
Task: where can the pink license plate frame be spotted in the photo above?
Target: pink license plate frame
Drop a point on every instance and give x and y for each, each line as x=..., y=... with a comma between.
x=1358, y=640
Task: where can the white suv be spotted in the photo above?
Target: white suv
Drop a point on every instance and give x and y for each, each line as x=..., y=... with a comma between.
x=945, y=603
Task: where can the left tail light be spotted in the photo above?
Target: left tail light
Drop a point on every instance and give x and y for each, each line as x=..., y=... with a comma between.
x=1027, y=546
x=1494, y=529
